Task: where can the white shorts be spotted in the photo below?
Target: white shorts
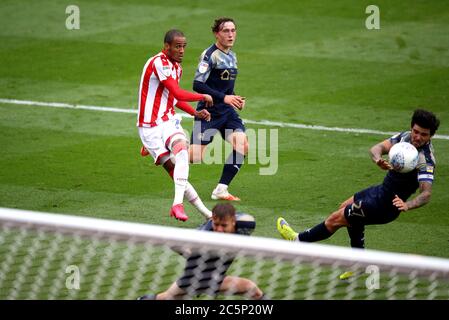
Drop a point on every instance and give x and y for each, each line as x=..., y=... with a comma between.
x=157, y=140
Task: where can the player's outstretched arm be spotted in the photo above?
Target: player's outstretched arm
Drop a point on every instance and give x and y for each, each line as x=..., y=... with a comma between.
x=377, y=151
x=202, y=114
x=184, y=95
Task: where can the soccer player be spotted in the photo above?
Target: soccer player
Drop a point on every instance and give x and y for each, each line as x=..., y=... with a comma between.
x=382, y=203
x=159, y=128
x=215, y=75
x=206, y=274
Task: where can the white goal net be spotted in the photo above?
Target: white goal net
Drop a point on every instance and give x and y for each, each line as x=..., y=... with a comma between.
x=51, y=256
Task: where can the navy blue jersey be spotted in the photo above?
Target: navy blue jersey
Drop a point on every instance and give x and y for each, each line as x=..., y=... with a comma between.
x=215, y=75
x=405, y=184
x=374, y=205
x=204, y=273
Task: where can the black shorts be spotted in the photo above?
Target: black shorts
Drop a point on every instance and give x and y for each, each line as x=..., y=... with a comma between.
x=371, y=206
x=203, y=132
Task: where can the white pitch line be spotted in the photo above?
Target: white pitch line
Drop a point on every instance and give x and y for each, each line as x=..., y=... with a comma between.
x=66, y=105
x=261, y=122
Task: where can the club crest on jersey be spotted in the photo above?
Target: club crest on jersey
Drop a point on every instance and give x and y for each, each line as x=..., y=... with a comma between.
x=202, y=68
x=429, y=169
x=225, y=75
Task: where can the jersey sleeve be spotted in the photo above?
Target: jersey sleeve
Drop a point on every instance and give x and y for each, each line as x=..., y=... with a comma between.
x=396, y=138
x=162, y=69
x=184, y=106
x=204, y=67
x=426, y=166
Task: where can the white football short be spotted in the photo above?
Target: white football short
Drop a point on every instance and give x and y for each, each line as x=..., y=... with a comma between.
x=158, y=140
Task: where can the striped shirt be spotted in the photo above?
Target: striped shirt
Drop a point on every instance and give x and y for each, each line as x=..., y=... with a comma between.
x=156, y=102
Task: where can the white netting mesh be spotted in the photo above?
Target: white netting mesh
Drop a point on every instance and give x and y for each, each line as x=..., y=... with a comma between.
x=48, y=256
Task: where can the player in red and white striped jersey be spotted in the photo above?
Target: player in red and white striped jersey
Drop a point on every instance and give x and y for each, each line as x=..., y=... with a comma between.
x=160, y=128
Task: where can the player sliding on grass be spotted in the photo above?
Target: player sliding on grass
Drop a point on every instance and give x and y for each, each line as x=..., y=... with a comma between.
x=382, y=203
x=159, y=128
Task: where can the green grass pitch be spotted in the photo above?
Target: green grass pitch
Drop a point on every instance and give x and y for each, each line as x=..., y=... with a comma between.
x=308, y=62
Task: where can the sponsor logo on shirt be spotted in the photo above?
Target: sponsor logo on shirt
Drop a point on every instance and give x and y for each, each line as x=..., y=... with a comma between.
x=166, y=71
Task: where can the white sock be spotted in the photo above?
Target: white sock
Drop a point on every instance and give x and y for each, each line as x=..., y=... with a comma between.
x=180, y=175
x=192, y=196
x=221, y=187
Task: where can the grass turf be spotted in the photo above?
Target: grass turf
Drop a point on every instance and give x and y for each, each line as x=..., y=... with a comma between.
x=309, y=62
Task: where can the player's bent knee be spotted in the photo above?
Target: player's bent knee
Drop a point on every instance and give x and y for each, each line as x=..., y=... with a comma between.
x=176, y=139
x=336, y=220
x=178, y=145
x=241, y=146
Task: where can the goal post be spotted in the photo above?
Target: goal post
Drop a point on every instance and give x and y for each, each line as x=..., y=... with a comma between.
x=54, y=256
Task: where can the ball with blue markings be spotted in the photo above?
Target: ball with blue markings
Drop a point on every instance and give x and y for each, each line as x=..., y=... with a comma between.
x=403, y=157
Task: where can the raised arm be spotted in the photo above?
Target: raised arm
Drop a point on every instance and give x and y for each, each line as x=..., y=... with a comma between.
x=377, y=151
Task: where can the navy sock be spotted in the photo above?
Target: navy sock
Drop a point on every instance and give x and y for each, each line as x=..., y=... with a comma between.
x=317, y=233
x=357, y=236
x=231, y=167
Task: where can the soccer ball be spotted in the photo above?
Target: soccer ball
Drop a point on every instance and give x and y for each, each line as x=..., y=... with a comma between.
x=403, y=157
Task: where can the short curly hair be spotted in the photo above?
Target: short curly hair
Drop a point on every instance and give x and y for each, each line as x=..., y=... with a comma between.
x=425, y=119
x=218, y=23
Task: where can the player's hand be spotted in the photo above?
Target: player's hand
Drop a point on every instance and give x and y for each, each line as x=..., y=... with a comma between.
x=203, y=114
x=243, y=104
x=209, y=101
x=398, y=203
x=235, y=101
x=384, y=164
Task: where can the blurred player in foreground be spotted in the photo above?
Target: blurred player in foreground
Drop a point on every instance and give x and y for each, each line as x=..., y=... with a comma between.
x=206, y=273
